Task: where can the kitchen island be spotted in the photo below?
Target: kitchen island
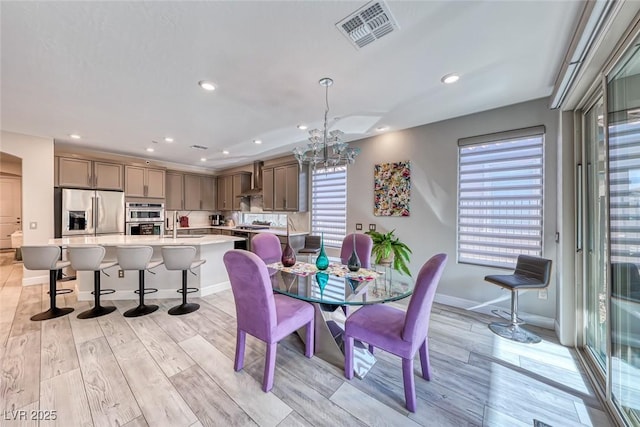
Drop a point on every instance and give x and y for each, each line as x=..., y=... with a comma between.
x=210, y=277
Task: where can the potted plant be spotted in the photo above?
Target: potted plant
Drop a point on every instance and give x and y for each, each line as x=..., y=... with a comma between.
x=389, y=250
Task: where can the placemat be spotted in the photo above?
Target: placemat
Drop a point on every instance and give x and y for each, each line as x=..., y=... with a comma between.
x=340, y=270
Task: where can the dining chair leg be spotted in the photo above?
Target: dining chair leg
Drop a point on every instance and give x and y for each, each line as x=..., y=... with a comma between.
x=409, y=386
x=240, y=339
x=269, y=366
x=371, y=348
x=348, y=357
x=310, y=333
x=424, y=360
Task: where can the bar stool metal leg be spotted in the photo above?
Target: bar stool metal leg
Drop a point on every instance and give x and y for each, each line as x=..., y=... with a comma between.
x=97, y=310
x=513, y=331
x=141, y=309
x=185, y=307
x=54, y=311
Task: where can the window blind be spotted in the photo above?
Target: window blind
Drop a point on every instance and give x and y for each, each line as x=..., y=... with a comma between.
x=500, y=197
x=329, y=204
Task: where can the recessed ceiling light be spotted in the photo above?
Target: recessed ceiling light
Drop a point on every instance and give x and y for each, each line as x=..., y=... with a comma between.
x=74, y=136
x=203, y=159
x=257, y=141
x=450, y=78
x=302, y=127
x=168, y=139
x=151, y=150
x=225, y=152
x=382, y=128
x=206, y=85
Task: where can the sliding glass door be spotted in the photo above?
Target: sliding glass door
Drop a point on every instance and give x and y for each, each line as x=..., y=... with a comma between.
x=595, y=243
x=623, y=114
x=611, y=174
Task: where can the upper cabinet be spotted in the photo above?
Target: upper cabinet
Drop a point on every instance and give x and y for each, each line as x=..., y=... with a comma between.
x=267, y=189
x=84, y=173
x=229, y=188
x=198, y=192
x=175, y=191
x=190, y=192
x=284, y=188
x=144, y=182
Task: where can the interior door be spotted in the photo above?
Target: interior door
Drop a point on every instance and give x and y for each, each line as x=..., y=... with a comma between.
x=10, y=209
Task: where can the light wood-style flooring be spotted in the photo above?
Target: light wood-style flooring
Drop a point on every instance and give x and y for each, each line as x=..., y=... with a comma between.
x=161, y=370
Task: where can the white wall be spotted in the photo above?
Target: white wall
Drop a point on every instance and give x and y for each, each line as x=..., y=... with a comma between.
x=431, y=228
x=37, y=190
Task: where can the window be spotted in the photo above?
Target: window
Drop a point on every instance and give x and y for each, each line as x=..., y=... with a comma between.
x=500, y=179
x=329, y=204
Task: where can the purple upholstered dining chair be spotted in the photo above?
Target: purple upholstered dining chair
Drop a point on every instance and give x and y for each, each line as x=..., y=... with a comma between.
x=396, y=332
x=261, y=313
x=364, y=245
x=267, y=247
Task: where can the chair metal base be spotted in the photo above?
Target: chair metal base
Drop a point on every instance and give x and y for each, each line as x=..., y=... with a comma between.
x=514, y=333
x=96, y=312
x=140, y=310
x=184, y=308
x=52, y=313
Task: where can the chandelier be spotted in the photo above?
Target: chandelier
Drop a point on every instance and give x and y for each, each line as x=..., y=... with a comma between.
x=325, y=148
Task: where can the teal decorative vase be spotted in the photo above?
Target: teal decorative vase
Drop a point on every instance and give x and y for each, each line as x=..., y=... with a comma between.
x=322, y=262
x=353, y=263
x=322, y=279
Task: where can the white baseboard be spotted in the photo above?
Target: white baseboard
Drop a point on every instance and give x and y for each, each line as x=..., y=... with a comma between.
x=35, y=280
x=480, y=307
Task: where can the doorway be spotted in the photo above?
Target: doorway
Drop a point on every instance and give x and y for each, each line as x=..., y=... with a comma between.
x=10, y=199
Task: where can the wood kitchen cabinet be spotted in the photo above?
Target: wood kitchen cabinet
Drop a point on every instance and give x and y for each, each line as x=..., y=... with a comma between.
x=284, y=188
x=85, y=173
x=267, y=189
x=207, y=192
x=174, y=191
x=144, y=182
x=198, y=192
x=229, y=187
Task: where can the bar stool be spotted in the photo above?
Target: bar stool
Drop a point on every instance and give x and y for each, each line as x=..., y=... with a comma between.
x=182, y=258
x=47, y=258
x=91, y=258
x=530, y=273
x=138, y=258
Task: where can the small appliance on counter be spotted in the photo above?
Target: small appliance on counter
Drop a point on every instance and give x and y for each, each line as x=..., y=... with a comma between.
x=184, y=221
x=216, y=219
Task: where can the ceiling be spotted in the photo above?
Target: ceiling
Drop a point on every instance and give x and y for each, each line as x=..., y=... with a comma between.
x=124, y=75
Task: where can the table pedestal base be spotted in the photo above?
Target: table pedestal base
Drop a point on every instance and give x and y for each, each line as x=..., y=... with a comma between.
x=329, y=345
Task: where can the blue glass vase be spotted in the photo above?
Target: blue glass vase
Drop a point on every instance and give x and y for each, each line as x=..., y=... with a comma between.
x=322, y=262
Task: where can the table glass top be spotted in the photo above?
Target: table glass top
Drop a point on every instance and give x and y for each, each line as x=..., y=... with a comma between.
x=338, y=286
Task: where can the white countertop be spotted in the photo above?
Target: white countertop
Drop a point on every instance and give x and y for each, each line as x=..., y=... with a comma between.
x=120, y=240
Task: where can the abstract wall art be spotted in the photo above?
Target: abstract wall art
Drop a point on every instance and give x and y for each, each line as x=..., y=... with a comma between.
x=392, y=189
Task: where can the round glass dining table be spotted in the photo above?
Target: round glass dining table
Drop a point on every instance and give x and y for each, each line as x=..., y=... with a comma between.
x=336, y=287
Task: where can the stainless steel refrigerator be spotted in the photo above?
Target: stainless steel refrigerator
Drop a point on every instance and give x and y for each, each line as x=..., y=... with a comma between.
x=91, y=212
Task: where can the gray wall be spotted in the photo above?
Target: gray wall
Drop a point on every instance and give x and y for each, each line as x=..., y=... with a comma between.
x=431, y=228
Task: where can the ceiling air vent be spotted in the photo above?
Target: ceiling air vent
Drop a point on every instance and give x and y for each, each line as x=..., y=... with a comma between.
x=199, y=147
x=368, y=24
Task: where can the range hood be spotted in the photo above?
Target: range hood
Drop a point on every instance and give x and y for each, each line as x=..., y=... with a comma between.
x=256, y=191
